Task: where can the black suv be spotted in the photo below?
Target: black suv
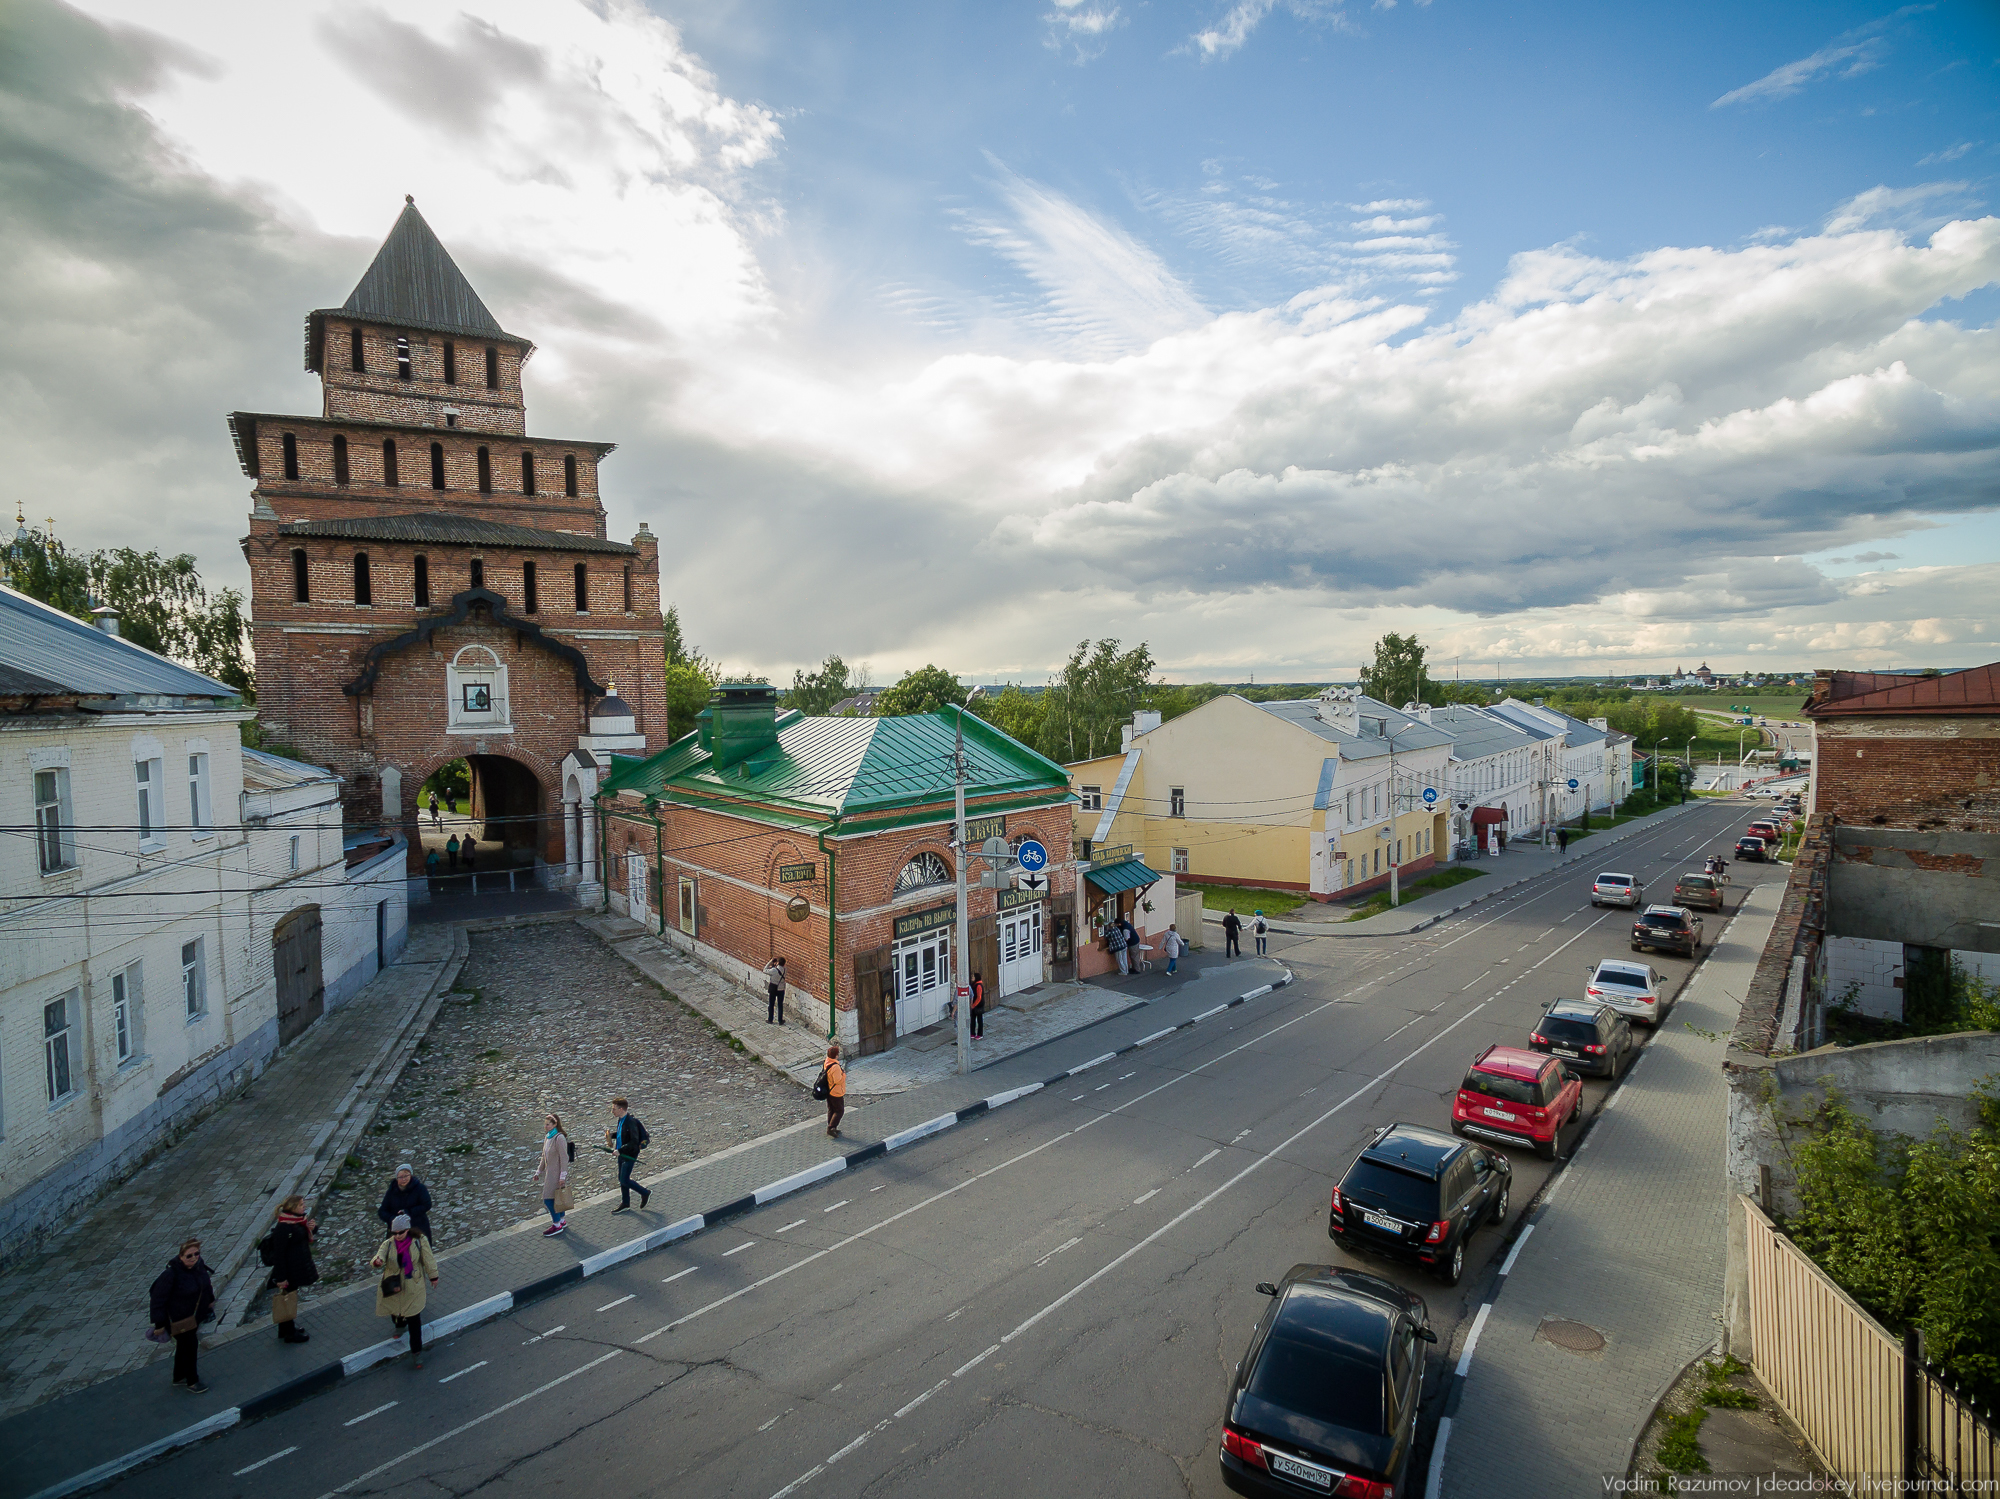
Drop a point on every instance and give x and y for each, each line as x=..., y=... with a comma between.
x=1590, y=1037
x=1669, y=929
x=1417, y=1194
x=1326, y=1397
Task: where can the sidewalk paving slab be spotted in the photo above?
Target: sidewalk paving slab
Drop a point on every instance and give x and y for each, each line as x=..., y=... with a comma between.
x=248, y=1374
x=1629, y=1241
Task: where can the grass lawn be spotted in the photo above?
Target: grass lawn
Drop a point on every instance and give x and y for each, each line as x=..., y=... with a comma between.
x=1423, y=884
x=1247, y=898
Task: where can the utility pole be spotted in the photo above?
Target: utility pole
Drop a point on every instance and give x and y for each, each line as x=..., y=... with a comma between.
x=962, y=986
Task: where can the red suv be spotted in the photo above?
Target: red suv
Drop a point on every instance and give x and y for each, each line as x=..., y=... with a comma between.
x=1518, y=1098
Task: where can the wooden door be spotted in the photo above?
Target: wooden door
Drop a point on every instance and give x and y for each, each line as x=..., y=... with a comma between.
x=295, y=960
x=875, y=1000
x=983, y=941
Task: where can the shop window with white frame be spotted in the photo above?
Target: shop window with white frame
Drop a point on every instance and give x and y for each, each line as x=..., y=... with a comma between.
x=1180, y=861
x=199, y=806
x=194, y=979
x=128, y=1013
x=55, y=844
x=476, y=692
x=58, y=1020
x=151, y=779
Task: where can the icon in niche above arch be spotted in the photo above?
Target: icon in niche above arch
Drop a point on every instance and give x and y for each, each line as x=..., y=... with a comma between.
x=476, y=692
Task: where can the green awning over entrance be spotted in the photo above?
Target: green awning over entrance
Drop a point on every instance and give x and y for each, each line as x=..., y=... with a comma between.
x=1127, y=874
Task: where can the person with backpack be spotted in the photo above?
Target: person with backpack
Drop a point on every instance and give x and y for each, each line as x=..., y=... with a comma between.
x=183, y=1299
x=408, y=1194
x=832, y=1086
x=627, y=1137
x=405, y=1263
x=287, y=1249
x=1261, y=928
x=552, y=1176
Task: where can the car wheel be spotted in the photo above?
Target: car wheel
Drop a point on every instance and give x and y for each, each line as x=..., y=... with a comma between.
x=1453, y=1269
x=1500, y=1203
x=1546, y=1149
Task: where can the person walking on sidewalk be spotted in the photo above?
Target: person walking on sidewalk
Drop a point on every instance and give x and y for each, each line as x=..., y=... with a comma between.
x=1173, y=944
x=774, y=990
x=1562, y=840
x=407, y=1194
x=627, y=1137
x=451, y=852
x=978, y=1011
x=287, y=1249
x=1232, y=934
x=406, y=1263
x=552, y=1175
x=832, y=1086
x=437, y=817
x=1114, y=939
x=183, y=1299
x=1262, y=928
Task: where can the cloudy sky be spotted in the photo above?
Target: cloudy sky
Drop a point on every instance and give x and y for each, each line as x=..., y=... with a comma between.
x=1571, y=338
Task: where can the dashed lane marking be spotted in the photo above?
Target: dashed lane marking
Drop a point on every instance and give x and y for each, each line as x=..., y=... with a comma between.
x=463, y=1372
x=262, y=1462
x=776, y=1419
x=840, y=1204
x=921, y=1398
x=679, y=1273
x=1205, y=1160
x=1154, y=1193
x=792, y=1225
x=366, y=1415
x=965, y=1368
x=738, y=1249
x=619, y=1302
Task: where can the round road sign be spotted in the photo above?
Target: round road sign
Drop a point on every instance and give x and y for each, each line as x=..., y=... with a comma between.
x=1572, y=783
x=1430, y=796
x=1034, y=858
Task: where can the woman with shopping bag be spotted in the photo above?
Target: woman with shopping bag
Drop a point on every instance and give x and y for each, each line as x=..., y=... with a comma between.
x=287, y=1249
x=408, y=1270
x=552, y=1175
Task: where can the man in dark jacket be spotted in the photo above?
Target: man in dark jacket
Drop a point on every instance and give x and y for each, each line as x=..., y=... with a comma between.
x=1232, y=931
x=407, y=1194
x=627, y=1137
x=185, y=1294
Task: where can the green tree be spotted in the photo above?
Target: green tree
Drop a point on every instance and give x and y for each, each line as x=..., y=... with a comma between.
x=1096, y=695
x=1015, y=713
x=925, y=690
x=690, y=675
x=1397, y=675
x=816, y=692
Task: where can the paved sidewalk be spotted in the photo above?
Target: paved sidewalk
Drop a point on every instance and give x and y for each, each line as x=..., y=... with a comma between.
x=76, y=1312
x=58, y=1440
x=1629, y=1243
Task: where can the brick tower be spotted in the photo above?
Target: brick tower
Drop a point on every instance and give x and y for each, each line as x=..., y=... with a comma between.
x=428, y=582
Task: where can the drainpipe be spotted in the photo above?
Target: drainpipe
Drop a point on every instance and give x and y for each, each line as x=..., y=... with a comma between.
x=832, y=1013
x=603, y=859
x=660, y=871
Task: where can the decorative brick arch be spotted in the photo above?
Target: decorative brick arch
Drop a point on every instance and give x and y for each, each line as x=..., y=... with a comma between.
x=462, y=605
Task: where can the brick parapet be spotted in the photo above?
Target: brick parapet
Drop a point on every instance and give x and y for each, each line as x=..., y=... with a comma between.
x=1800, y=919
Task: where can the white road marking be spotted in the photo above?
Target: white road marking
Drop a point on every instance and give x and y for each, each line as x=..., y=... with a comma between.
x=840, y=1204
x=802, y=1478
x=1079, y=1098
x=849, y=1448
x=540, y=1335
x=1240, y=1136
x=498, y=1410
x=877, y=1189
x=975, y=1363
x=921, y=1398
x=1137, y=1200
x=1513, y=1254
x=738, y=1249
x=679, y=1273
x=1093, y=1062
x=1472, y=1339
x=365, y=1415
x=287, y=1452
x=619, y=1302
x=1205, y=1160
x=1437, y=1458
x=792, y=1225
x=1067, y=1244
x=1128, y=1075
x=776, y=1419
x=463, y=1372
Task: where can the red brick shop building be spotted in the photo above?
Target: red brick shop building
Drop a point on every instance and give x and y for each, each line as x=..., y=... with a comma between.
x=429, y=582
x=829, y=841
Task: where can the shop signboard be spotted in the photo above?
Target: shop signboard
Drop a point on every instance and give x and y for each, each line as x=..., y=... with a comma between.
x=796, y=874
x=1007, y=900
x=916, y=923
x=979, y=829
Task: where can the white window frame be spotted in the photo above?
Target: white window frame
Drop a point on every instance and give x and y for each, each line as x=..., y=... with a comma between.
x=1180, y=861
x=200, y=807
x=295, y=853
x=58, y=1055
x=1177, y=801
x=1093, y=798
x=194, y=979
x=128, y=1013
x=150, y=779
x=54, y=820
x=473, y=668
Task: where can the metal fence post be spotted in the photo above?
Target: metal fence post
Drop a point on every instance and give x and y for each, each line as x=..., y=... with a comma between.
x=1913, y=1432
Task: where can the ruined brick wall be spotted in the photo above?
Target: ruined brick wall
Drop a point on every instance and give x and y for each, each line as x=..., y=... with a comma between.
x=1909, y=772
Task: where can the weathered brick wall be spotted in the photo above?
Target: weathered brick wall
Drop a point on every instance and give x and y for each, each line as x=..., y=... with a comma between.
x=380, y=394
x=315, y=495
x=1909, y=772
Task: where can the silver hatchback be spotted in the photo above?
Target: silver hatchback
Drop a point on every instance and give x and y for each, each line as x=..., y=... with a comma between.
x=1617, y=890
x=1634, y=990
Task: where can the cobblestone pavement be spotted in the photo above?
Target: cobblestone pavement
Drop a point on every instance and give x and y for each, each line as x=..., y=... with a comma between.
x=545, y=1018
x=1630, y=1242
x=77, y=1312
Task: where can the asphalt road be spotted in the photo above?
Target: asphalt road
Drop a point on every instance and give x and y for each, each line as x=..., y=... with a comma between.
x=1047, y=1301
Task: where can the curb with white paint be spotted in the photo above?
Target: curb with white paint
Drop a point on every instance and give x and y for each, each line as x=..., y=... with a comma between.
x=306, y=1385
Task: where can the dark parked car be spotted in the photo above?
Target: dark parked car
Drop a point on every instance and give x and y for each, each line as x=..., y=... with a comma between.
x=1417, y=1194
x=1326, y=1397
x=1590, y=1037
x=1667, y=928
x=1750, y=846
x=1698, y=891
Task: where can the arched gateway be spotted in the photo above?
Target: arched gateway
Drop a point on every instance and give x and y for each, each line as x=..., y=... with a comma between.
x=430, y=583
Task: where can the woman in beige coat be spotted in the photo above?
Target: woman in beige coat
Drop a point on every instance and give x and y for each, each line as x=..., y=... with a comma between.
x=407, y=1256
x=552, y=1175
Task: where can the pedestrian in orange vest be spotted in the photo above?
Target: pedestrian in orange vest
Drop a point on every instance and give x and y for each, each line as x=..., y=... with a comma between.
x=832, y=1086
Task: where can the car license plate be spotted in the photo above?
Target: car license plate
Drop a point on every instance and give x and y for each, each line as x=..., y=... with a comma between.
x=1376, y=1220
x=1304, y=1473
x=1497, y=1114
x=1564, y=1051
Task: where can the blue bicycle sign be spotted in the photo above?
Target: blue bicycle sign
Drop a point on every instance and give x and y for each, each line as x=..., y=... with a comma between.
x=1034, y=858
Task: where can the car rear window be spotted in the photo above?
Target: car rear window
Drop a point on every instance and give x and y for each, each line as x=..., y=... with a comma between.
x=1387, y=1190
x=1556, y=1028
x=1620, y=976
x=1697, y=882
x=1305, y=1376
x=1507, y=1089
x=1661, y=918
x=1614, y=879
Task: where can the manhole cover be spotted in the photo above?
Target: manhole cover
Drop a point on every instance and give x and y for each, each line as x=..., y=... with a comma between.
x=1577, y=1337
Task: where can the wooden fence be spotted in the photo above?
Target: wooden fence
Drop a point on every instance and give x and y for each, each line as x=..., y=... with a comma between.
x=1847, y=1382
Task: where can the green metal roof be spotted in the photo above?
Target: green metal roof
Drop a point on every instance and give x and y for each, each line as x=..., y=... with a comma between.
x=849, y=769
x=1127, y=874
